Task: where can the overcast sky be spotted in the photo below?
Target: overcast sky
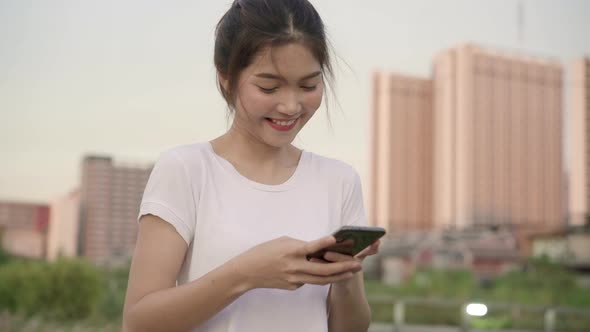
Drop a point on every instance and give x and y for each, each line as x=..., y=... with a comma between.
x=132, y=78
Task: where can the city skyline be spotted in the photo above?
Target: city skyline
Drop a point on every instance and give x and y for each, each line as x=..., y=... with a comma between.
x=92, y=78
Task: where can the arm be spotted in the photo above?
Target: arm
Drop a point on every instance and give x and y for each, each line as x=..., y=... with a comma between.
x=154, y=303
x=348, y=306
x=348, y=309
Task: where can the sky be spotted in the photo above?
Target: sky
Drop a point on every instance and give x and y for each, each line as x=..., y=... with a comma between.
x=132, y=78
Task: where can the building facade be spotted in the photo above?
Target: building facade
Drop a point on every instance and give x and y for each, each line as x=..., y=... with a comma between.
x=579, y=179
x=400, y=194
x=23, y=229
x=110, y=195
x=63, y=226
x=498, y=139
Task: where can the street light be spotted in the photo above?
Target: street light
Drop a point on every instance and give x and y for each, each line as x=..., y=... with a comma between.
x=476, y=309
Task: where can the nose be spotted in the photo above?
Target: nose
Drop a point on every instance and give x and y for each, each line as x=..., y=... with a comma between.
x=290, y=105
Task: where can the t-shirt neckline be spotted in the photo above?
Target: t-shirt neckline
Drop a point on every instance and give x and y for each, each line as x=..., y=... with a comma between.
x=287, y=185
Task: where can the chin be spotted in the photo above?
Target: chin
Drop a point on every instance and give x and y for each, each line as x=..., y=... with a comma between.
x=277, y=139
x=279, y=143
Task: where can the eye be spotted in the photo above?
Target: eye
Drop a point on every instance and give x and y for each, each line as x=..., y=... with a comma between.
x=309, y=88
x=267, y=90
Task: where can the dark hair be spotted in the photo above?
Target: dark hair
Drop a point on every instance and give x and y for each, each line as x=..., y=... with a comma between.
x=250, y=25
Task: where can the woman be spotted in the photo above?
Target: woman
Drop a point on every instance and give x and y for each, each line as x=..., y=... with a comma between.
x=226, y=226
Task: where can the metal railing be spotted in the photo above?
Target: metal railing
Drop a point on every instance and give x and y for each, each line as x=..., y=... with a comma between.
x=535, y=318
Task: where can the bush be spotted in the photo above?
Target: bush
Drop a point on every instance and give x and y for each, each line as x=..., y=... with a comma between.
x=64, y=290
x=455, y=284
x=23, y=287
x=76, y=289
x=113, y=296
x=542, y=283
x=4, y=256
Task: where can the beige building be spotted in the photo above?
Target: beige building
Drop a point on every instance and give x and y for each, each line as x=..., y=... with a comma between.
x=400, y=194
x=497, y=139
x=110, y=195
x=579, y=178
x=62, y=238
x=569, y=246
x=23, y=229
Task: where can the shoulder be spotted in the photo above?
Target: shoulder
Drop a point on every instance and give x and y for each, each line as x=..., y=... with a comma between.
x=186, y=152
x=188, y=157
x=333, y=169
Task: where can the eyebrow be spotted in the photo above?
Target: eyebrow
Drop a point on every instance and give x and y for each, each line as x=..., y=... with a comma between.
x=275, y=77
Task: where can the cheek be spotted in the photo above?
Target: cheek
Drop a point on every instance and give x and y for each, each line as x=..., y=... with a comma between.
x=313, y=100
x=255, y=103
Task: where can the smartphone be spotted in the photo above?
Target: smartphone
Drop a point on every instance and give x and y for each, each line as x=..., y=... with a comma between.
x=350, y=240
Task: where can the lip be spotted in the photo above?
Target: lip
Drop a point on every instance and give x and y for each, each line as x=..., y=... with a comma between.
x=282, y=128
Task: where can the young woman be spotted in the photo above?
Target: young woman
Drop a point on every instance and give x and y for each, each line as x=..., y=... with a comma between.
x=225, y=226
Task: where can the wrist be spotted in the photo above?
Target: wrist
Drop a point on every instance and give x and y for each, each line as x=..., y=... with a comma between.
x=242, y=280
x=345, y=286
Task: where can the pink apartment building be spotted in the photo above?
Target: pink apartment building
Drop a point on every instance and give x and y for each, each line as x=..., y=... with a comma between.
x=498, y=139
x=400, y=192
x=479, y=144
x=579, y=179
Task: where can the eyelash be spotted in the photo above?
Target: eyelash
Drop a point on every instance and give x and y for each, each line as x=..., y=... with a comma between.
x=305, y=88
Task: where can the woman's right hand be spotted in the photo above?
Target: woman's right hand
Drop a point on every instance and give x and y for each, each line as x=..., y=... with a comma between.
x=282, y=263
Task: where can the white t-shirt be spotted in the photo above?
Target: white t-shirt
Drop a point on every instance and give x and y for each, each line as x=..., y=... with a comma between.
x=220, y=214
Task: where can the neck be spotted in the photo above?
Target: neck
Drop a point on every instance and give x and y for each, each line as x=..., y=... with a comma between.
x=241, y=148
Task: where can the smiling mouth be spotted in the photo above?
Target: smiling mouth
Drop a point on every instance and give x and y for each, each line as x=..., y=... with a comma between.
x=282, y=125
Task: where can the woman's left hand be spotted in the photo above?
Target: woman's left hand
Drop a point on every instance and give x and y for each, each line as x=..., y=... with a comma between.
x=331, y=256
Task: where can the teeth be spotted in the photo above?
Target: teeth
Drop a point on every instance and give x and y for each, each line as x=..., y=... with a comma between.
x=283, y=123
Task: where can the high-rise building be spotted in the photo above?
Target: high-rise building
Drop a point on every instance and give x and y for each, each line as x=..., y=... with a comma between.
x=497, y=139
x=23, y=228
x=110, y=195
x=62, y=239
x=579, y=179
x=400, y=194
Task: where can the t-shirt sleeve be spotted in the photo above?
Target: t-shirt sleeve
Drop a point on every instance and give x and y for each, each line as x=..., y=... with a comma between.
x=353, y=211
x=169, y=195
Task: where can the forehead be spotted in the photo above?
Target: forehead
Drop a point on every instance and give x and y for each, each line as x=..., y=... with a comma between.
x=290, y=61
